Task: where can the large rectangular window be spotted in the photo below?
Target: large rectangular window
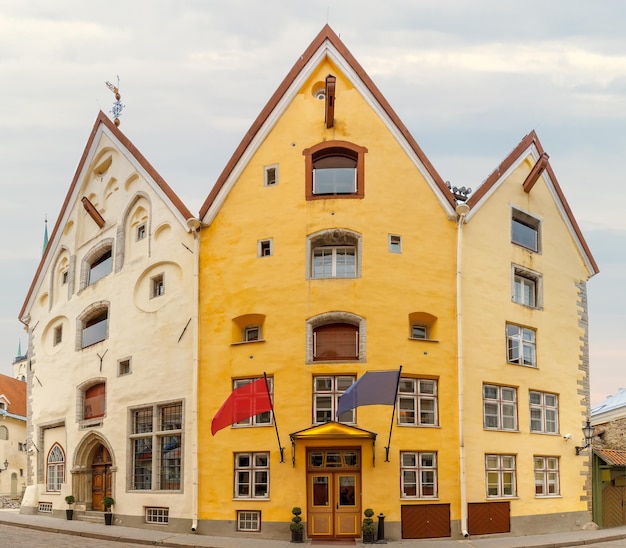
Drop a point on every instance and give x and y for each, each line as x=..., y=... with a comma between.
x=417, y=402
x=418, y=472
x=326, y=394
x=520, y=342
x=546, y=476
x=95, y=329
x=156, y=447
x=262, y=419
x=252, y=475
x=499, y=407
x=544, y=412
x=500, y=475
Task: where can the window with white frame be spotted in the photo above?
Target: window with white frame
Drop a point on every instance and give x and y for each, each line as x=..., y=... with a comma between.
x=334, y=254
x=248, y=520
x=265, y=248
x=252, y=333
x=157, y=515
x=544, y=412
x=326, y=393
x=156, y=447
x=546, y=476
x=270, y=175
x=500, y=475
x=418, y=472
x=252, y=475
x=520, y=345
x=56, y=468
x=141, y=232
x=395, y=243
x=499, y=407
x=262, y=419
x=527, y=287
x=419, y=331
x=417, y=402
x=157, y=286
x=525, y=230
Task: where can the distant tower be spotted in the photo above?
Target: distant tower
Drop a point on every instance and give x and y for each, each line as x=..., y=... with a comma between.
x=45, y=236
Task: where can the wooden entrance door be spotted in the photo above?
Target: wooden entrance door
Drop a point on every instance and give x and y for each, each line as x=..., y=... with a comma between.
x=613, y=506
x=334, y=495
x=100, y=478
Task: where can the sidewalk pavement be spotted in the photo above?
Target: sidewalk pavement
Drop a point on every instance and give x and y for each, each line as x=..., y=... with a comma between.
x=155, y=537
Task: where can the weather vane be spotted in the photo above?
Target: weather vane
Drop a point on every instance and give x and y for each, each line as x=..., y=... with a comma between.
x=117, y=108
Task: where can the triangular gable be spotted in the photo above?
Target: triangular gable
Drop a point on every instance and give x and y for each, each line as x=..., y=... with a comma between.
x=103, y=126
x=530, y=145
x=325, y=44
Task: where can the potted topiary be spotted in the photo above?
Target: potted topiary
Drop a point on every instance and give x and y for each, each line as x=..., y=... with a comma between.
x=296, y=526
x=368, y=527
x=69, y=512
x=108, y=515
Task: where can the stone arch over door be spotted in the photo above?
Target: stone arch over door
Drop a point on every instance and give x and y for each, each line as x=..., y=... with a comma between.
x=88, y=450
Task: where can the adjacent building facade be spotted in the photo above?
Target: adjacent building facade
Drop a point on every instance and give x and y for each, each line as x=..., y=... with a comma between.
x=329, y=247
x=12, y=437
x=111, y=338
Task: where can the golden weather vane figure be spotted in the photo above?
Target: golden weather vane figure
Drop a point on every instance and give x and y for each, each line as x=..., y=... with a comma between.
x=117, y=108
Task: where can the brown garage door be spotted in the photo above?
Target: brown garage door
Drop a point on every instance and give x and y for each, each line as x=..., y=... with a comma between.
x=484, y=518
x=425, y=521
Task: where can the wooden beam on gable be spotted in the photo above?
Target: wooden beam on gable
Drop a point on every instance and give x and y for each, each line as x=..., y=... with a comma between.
x=536, y=172
x=330, y=100
x=93, y=212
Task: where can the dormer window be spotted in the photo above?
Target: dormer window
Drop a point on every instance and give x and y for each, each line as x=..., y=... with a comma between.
x=334, y=169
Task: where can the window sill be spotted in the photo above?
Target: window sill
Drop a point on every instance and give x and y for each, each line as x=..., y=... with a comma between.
x=527, y=366
x=419, y=425
x=89, y=423
x=559, y=496
x=256, y=499
x=238, y=343
x=424, y=340
x=419, y=498
x=503, y=497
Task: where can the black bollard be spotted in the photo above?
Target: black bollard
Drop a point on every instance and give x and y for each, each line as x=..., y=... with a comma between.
x=381, y=529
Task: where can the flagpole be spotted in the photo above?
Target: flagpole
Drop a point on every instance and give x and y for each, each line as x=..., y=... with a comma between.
x=393, y=414
x=281, y=448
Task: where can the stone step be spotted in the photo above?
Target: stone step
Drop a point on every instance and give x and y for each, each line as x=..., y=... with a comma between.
x=91, y=517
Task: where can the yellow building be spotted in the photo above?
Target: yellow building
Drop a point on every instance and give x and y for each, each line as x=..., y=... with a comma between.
x=330, y=247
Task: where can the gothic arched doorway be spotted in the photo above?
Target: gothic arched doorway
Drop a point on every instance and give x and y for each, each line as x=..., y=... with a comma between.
x=100, y=477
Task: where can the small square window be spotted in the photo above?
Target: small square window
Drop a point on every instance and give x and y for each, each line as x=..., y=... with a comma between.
x=141, y=232
x=58, y=334
x=248, y=520
x=252, y=333
x=271, y=175
x=264, y=248
x=395, y=243
x=157, y=286
x=123, y=367
x=419, y=332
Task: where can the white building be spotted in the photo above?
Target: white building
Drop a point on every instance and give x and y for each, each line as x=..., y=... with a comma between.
x=109, y=410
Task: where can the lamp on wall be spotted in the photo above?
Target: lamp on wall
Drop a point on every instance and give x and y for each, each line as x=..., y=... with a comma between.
x=588, y=437
x=6, y=465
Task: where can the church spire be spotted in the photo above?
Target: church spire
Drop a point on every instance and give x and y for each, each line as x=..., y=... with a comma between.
x=45, y=236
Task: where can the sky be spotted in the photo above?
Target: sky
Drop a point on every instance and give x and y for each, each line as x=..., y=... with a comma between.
x=469, y=78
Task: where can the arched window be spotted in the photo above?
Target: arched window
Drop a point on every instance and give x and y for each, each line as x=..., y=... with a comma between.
x=336, y=336
x=334, y=254
x=4, y=433
x=56, y=468
x=93, y=325
x=334, y=169
x=97, y=263
x=95, y=400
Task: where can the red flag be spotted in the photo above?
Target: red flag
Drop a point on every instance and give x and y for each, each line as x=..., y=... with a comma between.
x=244, y=402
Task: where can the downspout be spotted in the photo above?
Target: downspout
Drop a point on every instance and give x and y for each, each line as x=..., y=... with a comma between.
x=462, y=209
x=195, y=226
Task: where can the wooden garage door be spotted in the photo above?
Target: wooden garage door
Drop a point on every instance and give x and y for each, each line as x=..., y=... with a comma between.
x=484, y=518
x=425, y=521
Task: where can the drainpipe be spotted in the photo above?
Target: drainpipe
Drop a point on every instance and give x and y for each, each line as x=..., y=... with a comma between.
x=195, y=226
x=462, y=209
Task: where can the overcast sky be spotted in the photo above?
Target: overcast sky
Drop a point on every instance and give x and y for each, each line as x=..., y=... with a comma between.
x=469, y=79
